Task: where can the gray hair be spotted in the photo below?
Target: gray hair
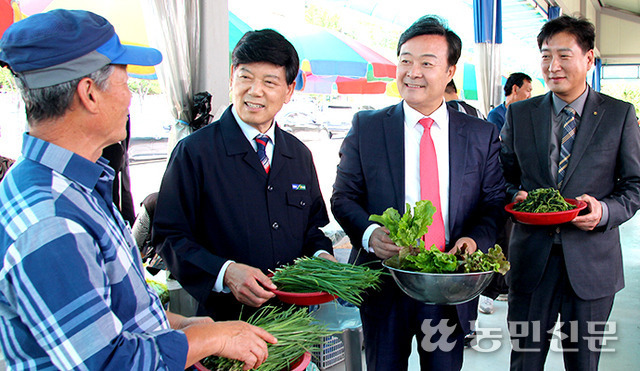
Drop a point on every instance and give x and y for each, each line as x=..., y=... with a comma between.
x=52, y=102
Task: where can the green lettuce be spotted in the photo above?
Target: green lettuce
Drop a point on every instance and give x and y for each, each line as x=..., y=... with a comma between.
x=408, y=229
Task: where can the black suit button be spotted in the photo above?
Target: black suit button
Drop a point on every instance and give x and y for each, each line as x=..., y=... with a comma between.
x=269, y=188
x=302, y=203
x=275, y=225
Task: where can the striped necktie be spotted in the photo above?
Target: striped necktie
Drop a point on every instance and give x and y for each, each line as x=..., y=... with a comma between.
x=568, y=137
x=261, y=141
x=430, y=185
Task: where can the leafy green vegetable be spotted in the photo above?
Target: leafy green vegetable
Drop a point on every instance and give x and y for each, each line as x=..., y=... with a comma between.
x=435, y=261
x=347, y=281
x=493, y=260
x=431, y=261
x=407, y=230
x=160, y=289
x=297, y=332
x=543, y=200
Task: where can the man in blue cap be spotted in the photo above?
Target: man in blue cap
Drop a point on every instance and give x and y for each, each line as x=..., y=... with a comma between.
x=72, y=290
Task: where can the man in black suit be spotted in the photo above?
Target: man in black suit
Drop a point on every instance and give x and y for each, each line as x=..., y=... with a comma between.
x=380, y=168
x=587, y=145
x=240, y=196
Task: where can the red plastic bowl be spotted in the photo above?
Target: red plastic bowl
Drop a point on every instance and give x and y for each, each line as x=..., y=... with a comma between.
x=303, y=298
x=299, y=365
x=547, y=218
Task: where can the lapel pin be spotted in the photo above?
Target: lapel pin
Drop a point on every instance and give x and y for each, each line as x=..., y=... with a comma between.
x=595, y=113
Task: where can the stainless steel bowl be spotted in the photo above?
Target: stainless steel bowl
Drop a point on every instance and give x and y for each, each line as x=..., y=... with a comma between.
x=440, y=288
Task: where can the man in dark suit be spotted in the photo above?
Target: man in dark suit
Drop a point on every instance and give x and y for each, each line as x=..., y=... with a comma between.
x=380, y=168
x=587, y=145
x=240, y=196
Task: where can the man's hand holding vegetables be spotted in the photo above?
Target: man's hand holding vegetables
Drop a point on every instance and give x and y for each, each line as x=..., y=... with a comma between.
x=228, y=339
x=384, y=248
x=586, y=222
x=464, y=244
x=248, y=284
x=589, y=221
x=382, y=245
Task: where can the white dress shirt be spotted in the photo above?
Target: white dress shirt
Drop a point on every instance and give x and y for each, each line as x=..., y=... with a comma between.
x=412, y=134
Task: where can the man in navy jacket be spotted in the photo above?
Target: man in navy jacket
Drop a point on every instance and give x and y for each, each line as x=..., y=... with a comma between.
x=378, y=169
x=241, y=196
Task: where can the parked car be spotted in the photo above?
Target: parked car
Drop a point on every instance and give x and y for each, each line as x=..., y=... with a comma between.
x=302, y=125
x=147, y=149
x=149, y=142
x=337, y=119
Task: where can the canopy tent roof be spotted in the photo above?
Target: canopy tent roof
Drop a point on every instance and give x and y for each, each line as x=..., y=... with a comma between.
x=616, y=21
x=613, y=19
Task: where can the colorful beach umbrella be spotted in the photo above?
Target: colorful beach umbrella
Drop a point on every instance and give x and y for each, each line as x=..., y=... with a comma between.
x=327, y=53
x=331, y=62
x=125, y=15
x=342, y=85
x=237, y=28
x=6, y=15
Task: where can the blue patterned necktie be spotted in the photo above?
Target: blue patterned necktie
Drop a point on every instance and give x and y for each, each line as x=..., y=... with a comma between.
x=261, y=141
x=568, y=137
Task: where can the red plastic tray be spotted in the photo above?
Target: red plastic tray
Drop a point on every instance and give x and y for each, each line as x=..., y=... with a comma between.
x=299, y=365
x=304, y=298
x=547, y=218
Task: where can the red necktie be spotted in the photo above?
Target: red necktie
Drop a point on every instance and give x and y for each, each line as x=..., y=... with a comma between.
x=261, y=141
x=430, y=185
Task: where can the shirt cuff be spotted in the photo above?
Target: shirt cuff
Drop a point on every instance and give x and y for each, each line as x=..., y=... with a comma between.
x=320, y=252
x=367, y=235
x=604, y=219
x=173, y=347
x=219, y=286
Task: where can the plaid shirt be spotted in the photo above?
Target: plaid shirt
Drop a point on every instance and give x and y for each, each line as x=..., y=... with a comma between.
x=72, y=288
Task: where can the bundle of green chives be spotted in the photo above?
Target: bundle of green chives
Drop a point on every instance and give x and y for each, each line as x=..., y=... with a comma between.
x=296, y=331
x=347, y=281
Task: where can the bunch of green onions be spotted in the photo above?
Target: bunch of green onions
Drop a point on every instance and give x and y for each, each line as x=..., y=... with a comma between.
x=347, y=281
x=297, y=332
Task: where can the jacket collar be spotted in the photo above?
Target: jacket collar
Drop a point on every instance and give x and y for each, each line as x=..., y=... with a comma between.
x=236, y=143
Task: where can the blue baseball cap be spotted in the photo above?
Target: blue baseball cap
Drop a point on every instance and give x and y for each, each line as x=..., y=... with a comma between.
x=62, y=45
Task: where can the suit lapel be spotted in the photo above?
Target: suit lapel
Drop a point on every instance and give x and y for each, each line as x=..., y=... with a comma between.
x=237, y=144
x=393, y=127
x=541, y=128
x=589, y=121
x=457, y=155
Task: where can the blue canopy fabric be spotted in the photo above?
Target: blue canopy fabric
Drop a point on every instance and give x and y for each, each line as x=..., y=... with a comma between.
x=483, y=14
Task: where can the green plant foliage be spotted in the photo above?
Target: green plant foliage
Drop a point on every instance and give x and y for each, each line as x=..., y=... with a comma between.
x=626, y=91
x=144, y=87
x=406, y=230
x=6, y=81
